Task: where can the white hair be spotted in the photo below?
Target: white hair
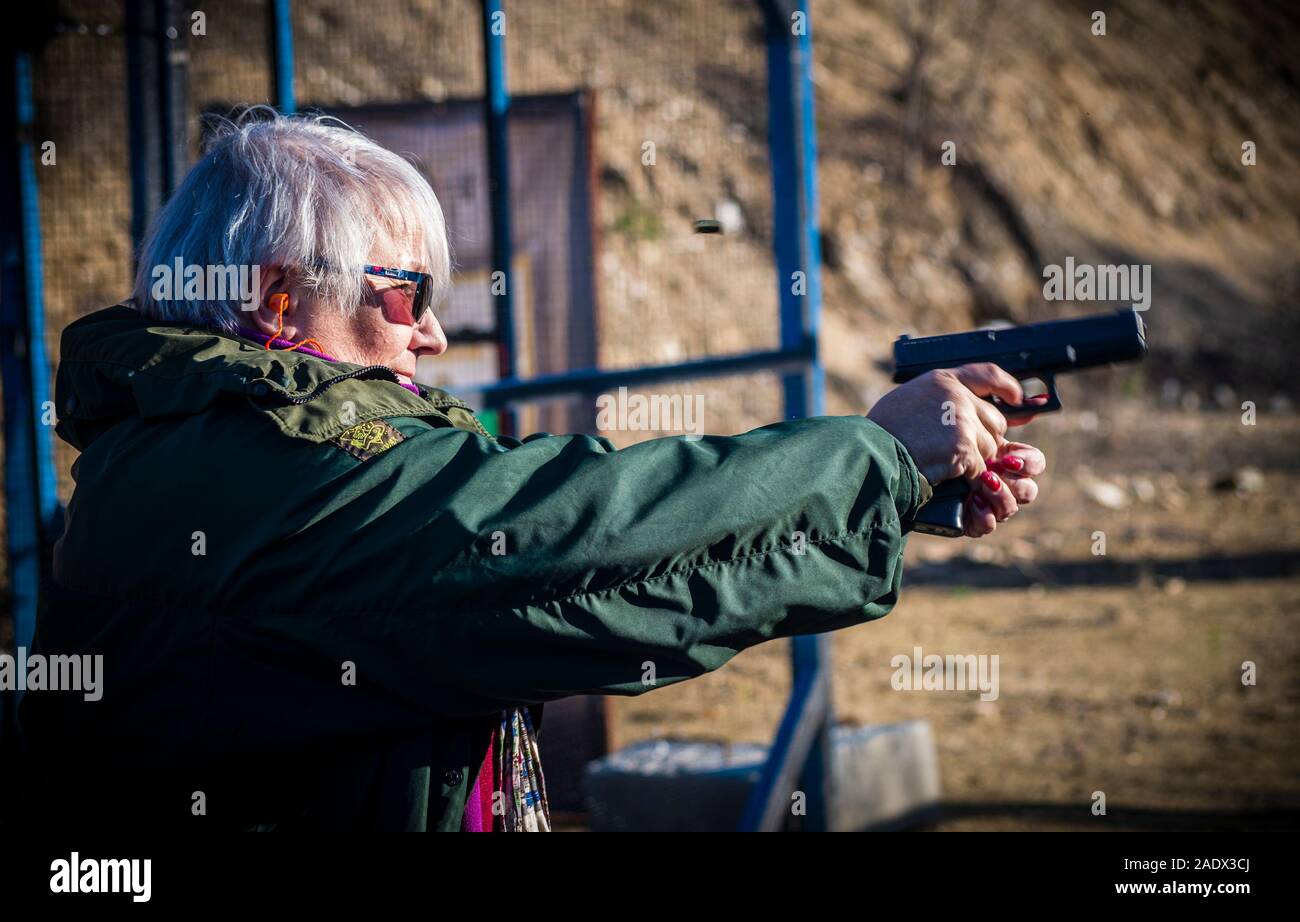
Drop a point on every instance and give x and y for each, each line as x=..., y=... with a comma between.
x=298, y=192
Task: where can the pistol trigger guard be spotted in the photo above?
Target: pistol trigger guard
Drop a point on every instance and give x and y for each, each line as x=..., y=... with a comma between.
x=1052, y=403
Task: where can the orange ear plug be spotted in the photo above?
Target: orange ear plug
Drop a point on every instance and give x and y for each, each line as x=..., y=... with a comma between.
x=279, y=302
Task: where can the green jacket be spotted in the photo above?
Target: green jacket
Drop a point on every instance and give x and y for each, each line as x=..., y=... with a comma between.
x=292, y=569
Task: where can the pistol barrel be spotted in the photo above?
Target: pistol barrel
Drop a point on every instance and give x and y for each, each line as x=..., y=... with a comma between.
x=1048, y=347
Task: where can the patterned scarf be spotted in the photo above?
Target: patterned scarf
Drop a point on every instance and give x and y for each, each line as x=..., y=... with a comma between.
x=519, y=772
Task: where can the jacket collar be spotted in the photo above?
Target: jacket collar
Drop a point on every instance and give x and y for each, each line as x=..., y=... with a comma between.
x=117, y=364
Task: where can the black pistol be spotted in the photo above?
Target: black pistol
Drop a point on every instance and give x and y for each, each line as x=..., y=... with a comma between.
x=1033, y=352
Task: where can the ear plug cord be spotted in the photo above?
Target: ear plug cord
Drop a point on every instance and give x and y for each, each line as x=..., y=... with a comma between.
x=279, y=302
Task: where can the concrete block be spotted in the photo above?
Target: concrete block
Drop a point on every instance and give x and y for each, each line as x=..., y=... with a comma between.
x=883, y=776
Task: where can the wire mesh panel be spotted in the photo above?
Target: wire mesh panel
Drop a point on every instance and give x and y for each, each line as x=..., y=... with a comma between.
x=230, y=64
x=351, y=53
x=678, y=93
x=80, y=88
x=679, y=90
x=670, y=129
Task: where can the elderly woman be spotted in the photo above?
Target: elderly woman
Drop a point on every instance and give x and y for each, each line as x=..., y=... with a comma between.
x=326, y=597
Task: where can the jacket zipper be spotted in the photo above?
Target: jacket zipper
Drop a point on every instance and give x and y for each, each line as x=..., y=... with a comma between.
x=325, y=385
x=367, y=372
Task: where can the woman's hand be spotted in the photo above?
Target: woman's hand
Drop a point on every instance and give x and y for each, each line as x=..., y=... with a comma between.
x=1006, y=484
x=951, y=432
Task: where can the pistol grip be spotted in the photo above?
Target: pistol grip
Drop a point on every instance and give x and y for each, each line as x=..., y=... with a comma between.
x=942, y=515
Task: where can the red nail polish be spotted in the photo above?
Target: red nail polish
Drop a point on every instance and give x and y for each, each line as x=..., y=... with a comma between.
x=992, y=481
x=1011, y=463
x=979, y=502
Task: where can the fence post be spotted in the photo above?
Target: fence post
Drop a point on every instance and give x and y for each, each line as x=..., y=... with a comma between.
x=31, y=498
x=282, y=53
x=157, y=106
x=799, y=758
x=496, y=114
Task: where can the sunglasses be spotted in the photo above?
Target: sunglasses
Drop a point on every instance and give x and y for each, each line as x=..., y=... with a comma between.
x=423, y=299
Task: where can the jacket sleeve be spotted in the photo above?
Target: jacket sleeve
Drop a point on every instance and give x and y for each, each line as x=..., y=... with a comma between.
x=461, y=574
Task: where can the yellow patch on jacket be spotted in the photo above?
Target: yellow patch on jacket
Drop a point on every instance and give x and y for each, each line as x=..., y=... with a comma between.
x=369, y=439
